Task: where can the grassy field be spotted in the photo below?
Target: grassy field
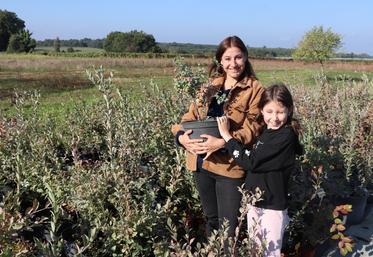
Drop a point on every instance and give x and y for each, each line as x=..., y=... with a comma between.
x=63, y=80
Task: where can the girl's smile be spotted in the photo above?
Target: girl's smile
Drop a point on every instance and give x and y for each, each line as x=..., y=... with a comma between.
x=275, y=115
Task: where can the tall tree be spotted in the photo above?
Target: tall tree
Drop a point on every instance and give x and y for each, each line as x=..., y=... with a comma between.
x=318, y=45
x=28, y=42
x=133, y=41
x=9, y=24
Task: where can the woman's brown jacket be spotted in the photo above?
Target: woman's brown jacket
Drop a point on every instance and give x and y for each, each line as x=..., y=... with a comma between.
x=242, y=110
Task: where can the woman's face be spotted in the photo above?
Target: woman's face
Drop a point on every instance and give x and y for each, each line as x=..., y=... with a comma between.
x=233, y=62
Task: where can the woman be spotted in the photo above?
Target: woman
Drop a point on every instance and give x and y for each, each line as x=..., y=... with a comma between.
x=216, y=174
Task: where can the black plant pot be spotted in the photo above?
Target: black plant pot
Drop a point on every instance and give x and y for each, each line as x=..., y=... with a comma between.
x=199, y=127
x=358, y=202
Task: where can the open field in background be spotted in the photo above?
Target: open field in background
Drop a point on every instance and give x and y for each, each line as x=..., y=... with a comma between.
x=62, y=80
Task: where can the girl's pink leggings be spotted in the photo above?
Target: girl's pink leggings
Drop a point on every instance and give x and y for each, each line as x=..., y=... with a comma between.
x=268, y=227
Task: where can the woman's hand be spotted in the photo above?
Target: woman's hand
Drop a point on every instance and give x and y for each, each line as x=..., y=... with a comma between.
x=210, y=145
x=223, y=125
x=190, y=144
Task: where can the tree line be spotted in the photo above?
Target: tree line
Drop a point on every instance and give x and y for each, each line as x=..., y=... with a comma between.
x=85, y=42
x=116, y=40
x=197, y=49
x=316, y=45
x=258, y=52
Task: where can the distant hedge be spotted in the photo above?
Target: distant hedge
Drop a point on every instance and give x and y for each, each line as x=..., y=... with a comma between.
x=121, y=55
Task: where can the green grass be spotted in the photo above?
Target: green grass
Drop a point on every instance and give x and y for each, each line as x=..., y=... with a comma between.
x=57, y=102
x=290, y=77
x=307, y=76
x=62, y=82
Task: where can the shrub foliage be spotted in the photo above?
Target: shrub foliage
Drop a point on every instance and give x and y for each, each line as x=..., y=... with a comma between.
x=111, y=182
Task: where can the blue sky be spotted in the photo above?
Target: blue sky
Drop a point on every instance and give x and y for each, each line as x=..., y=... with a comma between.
x=271, y=23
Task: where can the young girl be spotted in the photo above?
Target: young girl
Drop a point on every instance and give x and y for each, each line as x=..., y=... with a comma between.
x=268, y=165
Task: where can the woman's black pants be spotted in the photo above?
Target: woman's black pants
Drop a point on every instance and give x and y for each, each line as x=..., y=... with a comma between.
x=220, y=199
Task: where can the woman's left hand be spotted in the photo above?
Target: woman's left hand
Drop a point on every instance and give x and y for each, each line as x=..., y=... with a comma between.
x=210, y=145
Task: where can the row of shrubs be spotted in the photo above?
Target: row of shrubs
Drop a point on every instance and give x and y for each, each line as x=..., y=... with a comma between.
x=110, y=181
x=120, y=55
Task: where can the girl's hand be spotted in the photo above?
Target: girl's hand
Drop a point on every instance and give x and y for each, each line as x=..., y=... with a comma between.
x=223, y=125
x=190, y=144
x=210, y=145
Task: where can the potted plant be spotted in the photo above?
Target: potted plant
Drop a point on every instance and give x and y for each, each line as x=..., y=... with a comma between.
x=357, y=163
x=309, y=211
x=344, y=157
x=351, y=173
x=201, y=90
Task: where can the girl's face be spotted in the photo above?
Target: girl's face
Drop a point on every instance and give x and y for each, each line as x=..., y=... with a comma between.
x=233, y=62
x=275, y=114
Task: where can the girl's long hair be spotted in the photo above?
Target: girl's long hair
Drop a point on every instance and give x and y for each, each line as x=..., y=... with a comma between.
x=216, y=70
